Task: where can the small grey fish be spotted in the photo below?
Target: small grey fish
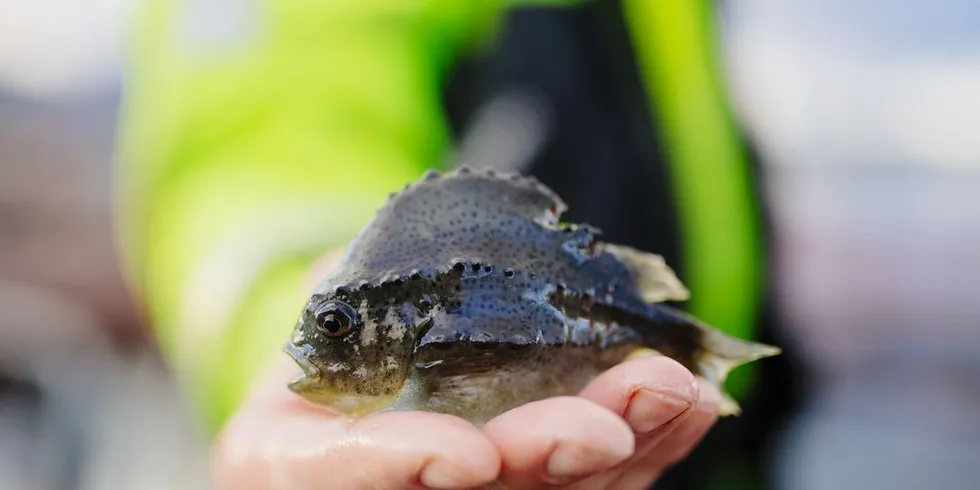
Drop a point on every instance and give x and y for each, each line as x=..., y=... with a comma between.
x=465, y=295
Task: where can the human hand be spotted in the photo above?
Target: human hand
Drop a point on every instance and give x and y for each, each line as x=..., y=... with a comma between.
x=621, y=432
x=626, y=428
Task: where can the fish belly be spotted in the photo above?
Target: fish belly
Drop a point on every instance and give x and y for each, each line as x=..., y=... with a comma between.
x=543, y=373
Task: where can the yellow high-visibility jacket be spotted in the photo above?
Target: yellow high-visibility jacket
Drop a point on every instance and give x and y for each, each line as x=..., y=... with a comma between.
x=252, y=145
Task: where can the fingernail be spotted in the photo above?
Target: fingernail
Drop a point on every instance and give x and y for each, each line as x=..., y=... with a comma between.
x=571, y=461
x=436, y=479
x=642, y=352
x=648, y=410
x=564, y=464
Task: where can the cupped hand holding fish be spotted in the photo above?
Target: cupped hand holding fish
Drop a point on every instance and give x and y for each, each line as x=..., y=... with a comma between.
x=623, y=431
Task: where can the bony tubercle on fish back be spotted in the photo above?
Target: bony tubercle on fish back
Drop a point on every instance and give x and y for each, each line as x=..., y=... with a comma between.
x=465, y=295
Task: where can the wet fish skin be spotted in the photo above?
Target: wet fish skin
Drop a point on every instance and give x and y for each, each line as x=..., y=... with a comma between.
x=466, y=295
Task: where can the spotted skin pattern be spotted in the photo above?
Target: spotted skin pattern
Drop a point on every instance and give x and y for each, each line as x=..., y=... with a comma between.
x=466, y=295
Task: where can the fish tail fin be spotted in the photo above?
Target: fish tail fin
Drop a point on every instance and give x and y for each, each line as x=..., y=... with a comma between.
x=720, y=354
x=715, y=353
x=708, y=352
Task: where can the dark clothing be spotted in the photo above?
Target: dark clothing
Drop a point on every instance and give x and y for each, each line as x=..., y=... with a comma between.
x=606, y=158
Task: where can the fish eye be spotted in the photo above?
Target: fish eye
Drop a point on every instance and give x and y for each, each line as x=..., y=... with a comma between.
x=335, y=319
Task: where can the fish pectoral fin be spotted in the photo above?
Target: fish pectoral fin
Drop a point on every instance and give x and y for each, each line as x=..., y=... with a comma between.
x=481, y=335
x=655, y=280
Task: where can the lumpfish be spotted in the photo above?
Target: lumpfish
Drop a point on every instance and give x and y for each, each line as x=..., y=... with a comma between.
x=466, y=295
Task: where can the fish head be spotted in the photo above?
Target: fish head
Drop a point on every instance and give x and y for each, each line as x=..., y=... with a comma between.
x=354, y=348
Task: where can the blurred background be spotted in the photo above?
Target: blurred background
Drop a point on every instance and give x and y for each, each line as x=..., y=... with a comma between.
x=84, y=400
x=865, y=115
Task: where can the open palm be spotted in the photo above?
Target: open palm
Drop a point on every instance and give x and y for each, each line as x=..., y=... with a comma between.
x=622, y=432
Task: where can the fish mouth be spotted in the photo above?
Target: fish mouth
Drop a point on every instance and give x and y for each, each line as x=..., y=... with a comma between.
x=311, y=386
x=310, y=374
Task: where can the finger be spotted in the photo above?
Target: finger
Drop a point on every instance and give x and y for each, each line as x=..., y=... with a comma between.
x=651, y=462
x=654, y=394
x=557, y=441
x=679, y=443
x=279, y=441
x=647, y=391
